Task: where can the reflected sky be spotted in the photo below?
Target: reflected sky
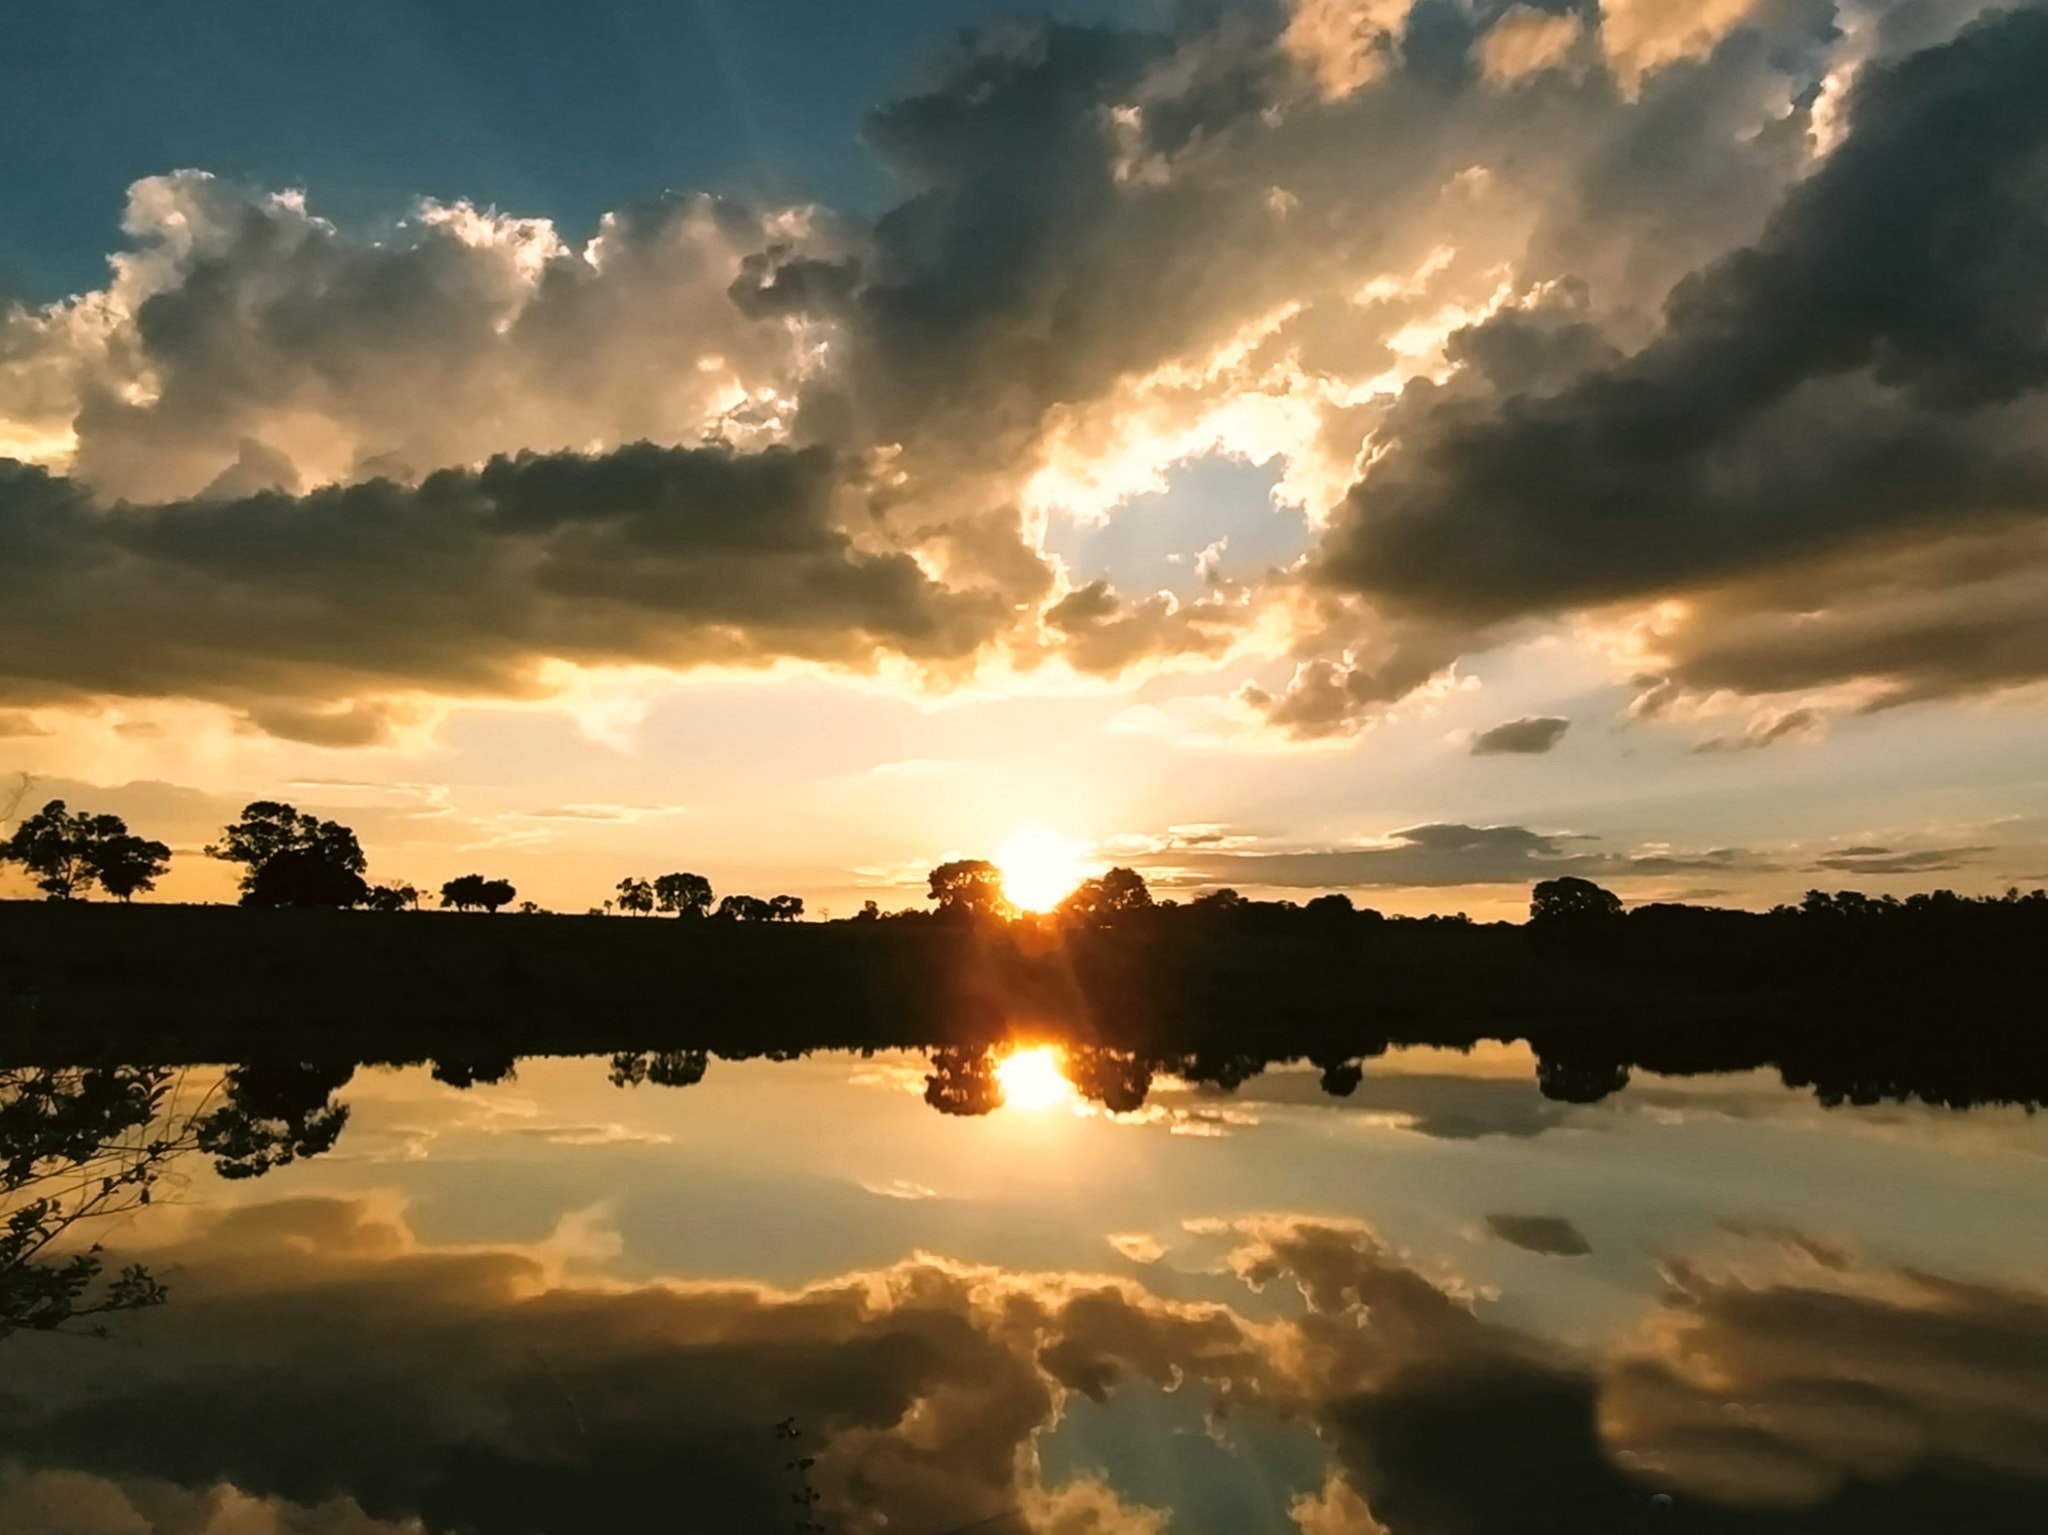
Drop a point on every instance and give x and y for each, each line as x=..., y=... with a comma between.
x=1441, y=1303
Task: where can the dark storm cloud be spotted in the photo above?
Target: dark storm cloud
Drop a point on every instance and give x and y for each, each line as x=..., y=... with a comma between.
x=1449, y=854
x=1863, y=380
x=275, y=603
x=1533, y=734
x=1552, y=1236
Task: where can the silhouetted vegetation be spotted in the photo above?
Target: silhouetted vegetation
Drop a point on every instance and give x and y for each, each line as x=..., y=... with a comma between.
x=83, y=1144
x=472, y=892
x=1859, y=997
x=66, y=853
x=290, y=858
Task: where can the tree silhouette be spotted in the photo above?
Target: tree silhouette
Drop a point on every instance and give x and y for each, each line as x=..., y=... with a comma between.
x=80, y=1145
x=66, y=854
x=785, y=908
x=472, y=892
x=636, y=896
x=293, y=859
x=746, y=908
x=302, y=877
x=394, y=898
x=77, y=1145
x=1571, y=899
x=687, y=895
x=1109, y=895
x=970, y=887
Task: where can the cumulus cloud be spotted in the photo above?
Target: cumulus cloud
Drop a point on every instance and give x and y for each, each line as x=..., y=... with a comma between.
x=1842, y=399
x=1535, y=315
x=1531, y=735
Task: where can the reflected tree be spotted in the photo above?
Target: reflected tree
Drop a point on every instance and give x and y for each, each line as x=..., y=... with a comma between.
x=81, y=1145
x=963, y=1081
x=1579, y=1081
x=1116, y=1079
x=275, y=1113
x=1227, y=1072
x=1340, y=1079
x=476, y=1070
x=661, y=1068
x=78, y=1146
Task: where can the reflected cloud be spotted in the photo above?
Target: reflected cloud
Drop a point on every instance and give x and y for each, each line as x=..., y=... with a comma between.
x=324, y=1365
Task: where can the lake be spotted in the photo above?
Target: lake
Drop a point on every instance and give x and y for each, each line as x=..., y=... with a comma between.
x=795, y=1296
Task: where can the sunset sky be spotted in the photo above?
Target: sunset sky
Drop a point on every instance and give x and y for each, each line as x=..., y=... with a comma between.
x=1411, y=449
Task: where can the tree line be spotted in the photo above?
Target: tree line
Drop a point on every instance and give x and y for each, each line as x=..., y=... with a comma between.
x=292, y=858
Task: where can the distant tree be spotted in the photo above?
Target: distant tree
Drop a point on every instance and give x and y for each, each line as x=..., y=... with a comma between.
x=123, y=863
x=531, y=909
x=785, y=908
x=1571, y=899
x=687, y=895
x=1225, y=899
x=745, y=908
x=472, y=892
x=636, y=896
x=1096, y=900
x=394, y=898
x=969, y=886
x=269, y=831
x=66, y=854
x=869, y=912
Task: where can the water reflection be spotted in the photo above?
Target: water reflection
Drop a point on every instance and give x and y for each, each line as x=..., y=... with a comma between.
x=506, y=1301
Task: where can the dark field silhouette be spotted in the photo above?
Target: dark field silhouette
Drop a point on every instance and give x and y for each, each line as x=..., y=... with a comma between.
x=1936, y=998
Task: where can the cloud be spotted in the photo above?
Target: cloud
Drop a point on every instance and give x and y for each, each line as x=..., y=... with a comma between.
x=1448, y=854
x=1879, y=860
x=1534, y=315
x=1550, y=1235
x=466, y=583
x=316, y=1357
x=1767, y=729
x=1533, y=734
x=1836, y=403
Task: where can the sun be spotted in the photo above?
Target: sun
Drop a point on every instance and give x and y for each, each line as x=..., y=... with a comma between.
x=1040, y=868
x=1031, y=1079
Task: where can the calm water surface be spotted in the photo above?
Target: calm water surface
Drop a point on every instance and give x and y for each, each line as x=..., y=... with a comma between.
x=794, y=1295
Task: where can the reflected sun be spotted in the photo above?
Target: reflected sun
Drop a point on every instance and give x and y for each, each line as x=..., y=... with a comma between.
x=1040, y=868
x=1031, y=1079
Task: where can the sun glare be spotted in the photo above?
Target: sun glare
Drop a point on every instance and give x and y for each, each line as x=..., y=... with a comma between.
x=1040, y=868
x=1031, y=1079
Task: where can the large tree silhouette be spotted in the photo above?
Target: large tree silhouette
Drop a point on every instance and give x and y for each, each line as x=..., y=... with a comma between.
x=66, y=853
x=291, y=858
